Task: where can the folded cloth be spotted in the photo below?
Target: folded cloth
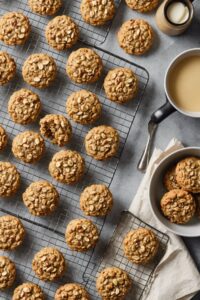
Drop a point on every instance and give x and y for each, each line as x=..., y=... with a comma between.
x=176, y=277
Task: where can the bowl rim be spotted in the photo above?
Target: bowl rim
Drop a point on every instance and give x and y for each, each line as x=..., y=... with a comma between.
x=182, y=150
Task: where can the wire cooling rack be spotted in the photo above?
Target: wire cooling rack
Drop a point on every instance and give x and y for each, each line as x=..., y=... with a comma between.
x=114, y=256
x=94, y=35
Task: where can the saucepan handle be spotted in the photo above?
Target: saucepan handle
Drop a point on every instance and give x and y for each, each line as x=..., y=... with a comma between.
x=162, y=112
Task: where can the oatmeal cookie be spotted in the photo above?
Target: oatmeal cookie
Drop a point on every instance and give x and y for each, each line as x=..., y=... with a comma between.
x=7, y=68
x=142, y=5
x=72, y=291
x=121, y=85
x=39, y=70
x=7, y=272
x=11, y=232
x=41, y=198
x=140, y=245
x=97, y=12
x=169, y=180
x=135, y=37
x=56, y=128
x=24, y=106
x=14, y=28
x=83, y=107
x=84, y=66
x=62, y=33
x=197, y=200
x=45, y=7
x=81, y=235
x=178, y=206
x=96, y=200
x=28, y=147
x=102, y=142
x=49, y=264
x=113, y=283
x=3, y=138
x=67, y=166
x=188, y=174
x=9, y=179
x=28, y=291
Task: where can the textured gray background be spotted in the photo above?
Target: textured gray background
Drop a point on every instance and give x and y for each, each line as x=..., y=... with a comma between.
x=184, y=128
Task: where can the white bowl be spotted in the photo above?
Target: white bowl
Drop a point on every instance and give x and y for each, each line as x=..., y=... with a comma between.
x=157, y=190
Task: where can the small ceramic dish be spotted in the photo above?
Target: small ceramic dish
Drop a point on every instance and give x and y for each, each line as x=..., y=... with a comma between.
x=157, y=190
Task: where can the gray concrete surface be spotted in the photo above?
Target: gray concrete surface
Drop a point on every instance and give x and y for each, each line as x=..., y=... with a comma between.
x=184, y=128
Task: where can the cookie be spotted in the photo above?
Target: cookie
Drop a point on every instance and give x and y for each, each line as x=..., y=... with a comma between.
x=197, y=200
x=14, y=28
x=84, y=66
x=24, y=106
x=41, y=198
x=28, y=291
x=28, y=147
x=62, y=33
x=140, y=246
x=135, y=37
x=45, y=7
x=56, y=128
x=113, y=284
x=102, y=142
x=178, y=206
x=169, y=179
x=142, y=5
x=7, y=272
x=67, y=166
x=39, y=70
x=97, y=12
x=72, y=291
x=9, y=179
x=7, y=68
x=81, y=235
x=121, y=85
x=3, y=138
x=49, y=264
x=83, y=107
x=96, y=200
x=188, y=174
x=11, y=232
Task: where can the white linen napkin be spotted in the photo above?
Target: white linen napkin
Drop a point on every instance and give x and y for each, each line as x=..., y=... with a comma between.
x=176, y=277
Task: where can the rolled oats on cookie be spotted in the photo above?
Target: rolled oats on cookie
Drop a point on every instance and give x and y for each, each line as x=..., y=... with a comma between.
x=97, y=12
x=83, y=107
x=56, y=128
x=28, y=147
x=14, y=28
x=41, y=198
x=7, y=68
x=121, y=85
x=102, y=142
x=49, y=264
x=169, y=179
x=62, y=33
x=113, y=284
x=39, y=70
x=45, y=7
x=178, y=206
x=140, y=245
x=12, y=232
x=81, y=235
x=142, y=5
x=96, y=200
x=24, y=106
x=67, y=166
x=188, y=174
x=3, y=138
x=28, y=291
x=7, y=272
x=135, y=36
x=72, y=291
x=84, y=66
x=9, y=179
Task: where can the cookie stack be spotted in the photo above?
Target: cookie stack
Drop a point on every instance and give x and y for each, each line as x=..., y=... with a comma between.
x=182, y=181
